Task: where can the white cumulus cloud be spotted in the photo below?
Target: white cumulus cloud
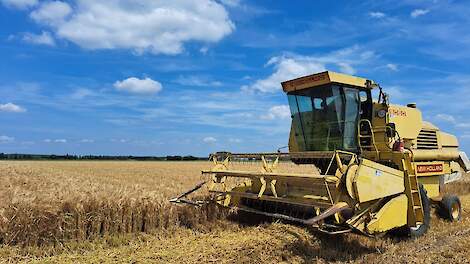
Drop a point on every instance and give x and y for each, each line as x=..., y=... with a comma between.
x=446, y=118
x=122, y=140
x=19, y=4
x=194, y=80
x=45, y=38
x=51, y=13
x=204, y=50
x=139, y=86
x=286, y=68
x=465, y=136
x=209, y=140
x=392, y=67
x=419, y=12
x=60, y=140
x=291, y=66
x=6, y=139
x=147, y=25
x=231, y=3
x=376, y=14
x=235, y=140
x=13, y=108
x=277, y=112
x=463, y=125
x=82, y=93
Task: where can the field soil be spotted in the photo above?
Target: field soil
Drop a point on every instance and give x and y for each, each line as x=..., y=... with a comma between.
x=118, y=212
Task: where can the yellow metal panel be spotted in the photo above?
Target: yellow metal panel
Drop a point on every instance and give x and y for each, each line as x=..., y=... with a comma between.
x=347, y=79
x=454, y=166
x=322, y=78
x=374, y=181
x=436, y=154
x=429, y=126
x=447, y=140
x=408, y=121
x=378, y=124
x=431, y=184
x=393, y=214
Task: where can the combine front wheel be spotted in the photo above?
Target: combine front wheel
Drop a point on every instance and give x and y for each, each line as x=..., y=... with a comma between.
x=450, y=208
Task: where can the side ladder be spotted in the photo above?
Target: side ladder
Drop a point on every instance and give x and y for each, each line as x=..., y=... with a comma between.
x=416, y=211
x=368, y=138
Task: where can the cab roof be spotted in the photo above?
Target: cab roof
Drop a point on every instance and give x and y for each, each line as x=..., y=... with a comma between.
x=322, y=78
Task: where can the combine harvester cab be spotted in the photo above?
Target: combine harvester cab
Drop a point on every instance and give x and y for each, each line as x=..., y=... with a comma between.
x=354, y=164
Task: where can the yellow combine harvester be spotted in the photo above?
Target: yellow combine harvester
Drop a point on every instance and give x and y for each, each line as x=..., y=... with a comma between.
x=354, y=164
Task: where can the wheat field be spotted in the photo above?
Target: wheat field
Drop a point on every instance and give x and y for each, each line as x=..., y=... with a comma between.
x=108, y=212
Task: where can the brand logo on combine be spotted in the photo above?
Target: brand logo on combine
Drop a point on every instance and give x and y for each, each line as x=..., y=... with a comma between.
x=430, y=168
x=397, y=112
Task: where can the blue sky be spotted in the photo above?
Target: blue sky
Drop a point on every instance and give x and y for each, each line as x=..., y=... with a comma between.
x=152, y=77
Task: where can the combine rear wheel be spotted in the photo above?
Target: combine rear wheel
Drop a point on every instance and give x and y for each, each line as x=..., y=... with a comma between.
x=422, y=228
x=450, y=208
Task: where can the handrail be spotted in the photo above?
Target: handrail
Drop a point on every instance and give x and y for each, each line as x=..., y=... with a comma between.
x=371, y=136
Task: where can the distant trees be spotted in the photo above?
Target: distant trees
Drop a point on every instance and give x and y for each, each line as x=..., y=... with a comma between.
x=181, y=158
x=15, y=156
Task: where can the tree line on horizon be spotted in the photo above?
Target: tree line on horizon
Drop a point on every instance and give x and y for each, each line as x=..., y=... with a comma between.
x=17, y=156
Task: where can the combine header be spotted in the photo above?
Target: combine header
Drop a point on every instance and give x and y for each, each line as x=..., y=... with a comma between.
x=354, y=164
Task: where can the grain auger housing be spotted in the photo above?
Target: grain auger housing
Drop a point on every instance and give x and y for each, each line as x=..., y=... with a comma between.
x=354, y=164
